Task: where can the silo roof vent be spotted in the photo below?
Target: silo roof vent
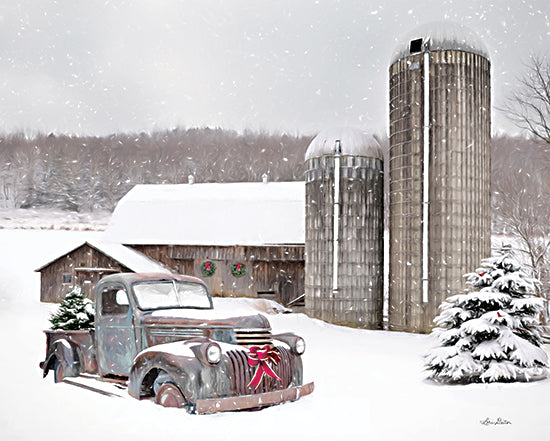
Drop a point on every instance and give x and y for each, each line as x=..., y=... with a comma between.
x=349, y=141
x=440, y=36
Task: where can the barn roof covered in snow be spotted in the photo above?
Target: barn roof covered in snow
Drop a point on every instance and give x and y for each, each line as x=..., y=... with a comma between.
x=131, y=259
x=353, y=142
x=441, y=35
x=247, y=213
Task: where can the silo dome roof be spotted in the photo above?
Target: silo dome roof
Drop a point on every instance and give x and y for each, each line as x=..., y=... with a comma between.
x=442, y=36
x=353, y=142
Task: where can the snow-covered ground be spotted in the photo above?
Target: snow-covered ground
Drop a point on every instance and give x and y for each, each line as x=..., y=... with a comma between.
x=369, y=385
x=48, y=219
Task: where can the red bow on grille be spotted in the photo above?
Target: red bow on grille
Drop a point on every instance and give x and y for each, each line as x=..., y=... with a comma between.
x=260, y=358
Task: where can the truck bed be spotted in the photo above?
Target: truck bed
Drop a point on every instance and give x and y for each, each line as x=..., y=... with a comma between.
x=82, y=341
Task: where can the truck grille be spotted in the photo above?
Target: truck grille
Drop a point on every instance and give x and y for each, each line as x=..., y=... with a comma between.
x=242, y=373
x=253, y=337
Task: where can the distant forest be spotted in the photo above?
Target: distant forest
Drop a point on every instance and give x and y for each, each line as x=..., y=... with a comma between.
x=86, y=174
x=92, y=173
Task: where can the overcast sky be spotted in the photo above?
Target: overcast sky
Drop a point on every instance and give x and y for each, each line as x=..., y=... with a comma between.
x=298, y=66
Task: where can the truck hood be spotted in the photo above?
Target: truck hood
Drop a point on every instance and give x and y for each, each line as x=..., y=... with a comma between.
x=208, y=318
x=244, y=330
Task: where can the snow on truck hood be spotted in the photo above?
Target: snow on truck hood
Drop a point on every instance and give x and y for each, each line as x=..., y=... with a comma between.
x=204, y=317
x=227, y=307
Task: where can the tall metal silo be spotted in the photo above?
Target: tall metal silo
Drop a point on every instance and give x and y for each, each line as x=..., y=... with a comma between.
x=440, y=128
x=344, y=229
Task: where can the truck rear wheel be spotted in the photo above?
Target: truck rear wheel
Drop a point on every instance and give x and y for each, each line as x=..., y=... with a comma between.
x=58, y=371
x=168, y=395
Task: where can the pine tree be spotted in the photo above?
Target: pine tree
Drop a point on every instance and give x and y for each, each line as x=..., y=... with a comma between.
x=490, y=334
x=75, y=312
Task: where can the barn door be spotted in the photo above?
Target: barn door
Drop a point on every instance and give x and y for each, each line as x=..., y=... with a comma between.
x=265, y=279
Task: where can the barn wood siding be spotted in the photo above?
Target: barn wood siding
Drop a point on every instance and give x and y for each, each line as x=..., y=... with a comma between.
x=251, y=253
x=275, y=272
x=161, y=254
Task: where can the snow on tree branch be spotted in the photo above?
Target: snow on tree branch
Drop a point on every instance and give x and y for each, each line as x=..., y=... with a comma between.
x=491, y=333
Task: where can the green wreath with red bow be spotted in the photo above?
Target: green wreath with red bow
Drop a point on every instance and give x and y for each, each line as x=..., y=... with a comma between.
x=208, y=268
x=238, y=269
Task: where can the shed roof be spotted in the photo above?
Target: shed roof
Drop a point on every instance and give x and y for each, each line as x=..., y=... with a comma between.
x=353, y=142
x=131, y=259
x=442, y=35
x=247, y=213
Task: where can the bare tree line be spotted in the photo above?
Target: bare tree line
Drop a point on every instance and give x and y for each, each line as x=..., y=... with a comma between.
x=93, y=173
x=521, y=196
x=89, y=173
x=521, y=202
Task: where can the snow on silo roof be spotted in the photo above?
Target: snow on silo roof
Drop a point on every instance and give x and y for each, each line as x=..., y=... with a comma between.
x=441, y=35
x=353, y=142
x=247, y=213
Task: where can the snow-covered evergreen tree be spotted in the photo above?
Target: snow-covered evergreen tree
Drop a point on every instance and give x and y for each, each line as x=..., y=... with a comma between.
x=490, y=334
x=75, y=312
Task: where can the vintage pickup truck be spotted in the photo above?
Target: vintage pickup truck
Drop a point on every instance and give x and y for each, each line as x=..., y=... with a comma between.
x=160, y=336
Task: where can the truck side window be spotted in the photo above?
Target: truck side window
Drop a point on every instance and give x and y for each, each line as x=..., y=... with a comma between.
x=114, y=301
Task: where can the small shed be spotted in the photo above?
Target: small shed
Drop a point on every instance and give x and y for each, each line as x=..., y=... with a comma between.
x=86, y=264
x=242, y=239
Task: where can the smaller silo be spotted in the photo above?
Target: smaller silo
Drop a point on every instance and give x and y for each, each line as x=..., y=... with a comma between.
x=344, y=228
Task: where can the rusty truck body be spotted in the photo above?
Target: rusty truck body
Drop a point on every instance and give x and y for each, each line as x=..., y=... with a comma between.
x=159, y=335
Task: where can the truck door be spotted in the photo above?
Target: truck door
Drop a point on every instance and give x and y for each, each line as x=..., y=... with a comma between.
x=115, y=337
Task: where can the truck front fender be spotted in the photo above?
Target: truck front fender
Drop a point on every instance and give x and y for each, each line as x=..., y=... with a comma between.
x=193, y=377
x=65, y=354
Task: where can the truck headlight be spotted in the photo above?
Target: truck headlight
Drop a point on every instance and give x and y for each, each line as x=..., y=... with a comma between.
x=300, y=346
x=213, y=353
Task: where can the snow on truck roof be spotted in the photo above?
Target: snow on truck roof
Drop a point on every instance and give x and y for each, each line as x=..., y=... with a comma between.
x=442, y=35
x=247, y=213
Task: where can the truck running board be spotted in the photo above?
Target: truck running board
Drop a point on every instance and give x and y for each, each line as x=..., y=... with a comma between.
x=93, y=389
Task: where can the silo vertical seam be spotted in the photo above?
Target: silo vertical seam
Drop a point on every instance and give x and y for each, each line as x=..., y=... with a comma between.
x=336, y=221
x=426, y=171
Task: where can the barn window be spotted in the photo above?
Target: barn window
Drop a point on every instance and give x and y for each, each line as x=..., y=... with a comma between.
x=67, y=279
x=416, y=46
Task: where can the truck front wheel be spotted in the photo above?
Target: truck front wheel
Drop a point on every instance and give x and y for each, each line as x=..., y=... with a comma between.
x=168, y=395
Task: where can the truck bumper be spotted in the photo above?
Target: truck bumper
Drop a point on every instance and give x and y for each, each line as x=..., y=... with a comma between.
x=241, y=402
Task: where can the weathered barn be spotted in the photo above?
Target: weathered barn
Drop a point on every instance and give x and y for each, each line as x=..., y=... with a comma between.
x=86, y=264
x=242, y=239
x=440, y=128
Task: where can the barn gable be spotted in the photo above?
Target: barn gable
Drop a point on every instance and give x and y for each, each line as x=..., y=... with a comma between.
x=86, y=264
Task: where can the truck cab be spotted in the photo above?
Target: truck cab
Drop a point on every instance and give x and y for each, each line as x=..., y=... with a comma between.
x=123, y=304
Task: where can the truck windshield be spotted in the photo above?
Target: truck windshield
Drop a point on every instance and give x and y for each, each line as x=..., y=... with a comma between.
x=171, y=294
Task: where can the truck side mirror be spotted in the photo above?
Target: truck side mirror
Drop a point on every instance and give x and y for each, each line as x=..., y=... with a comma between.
x=122, y=298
